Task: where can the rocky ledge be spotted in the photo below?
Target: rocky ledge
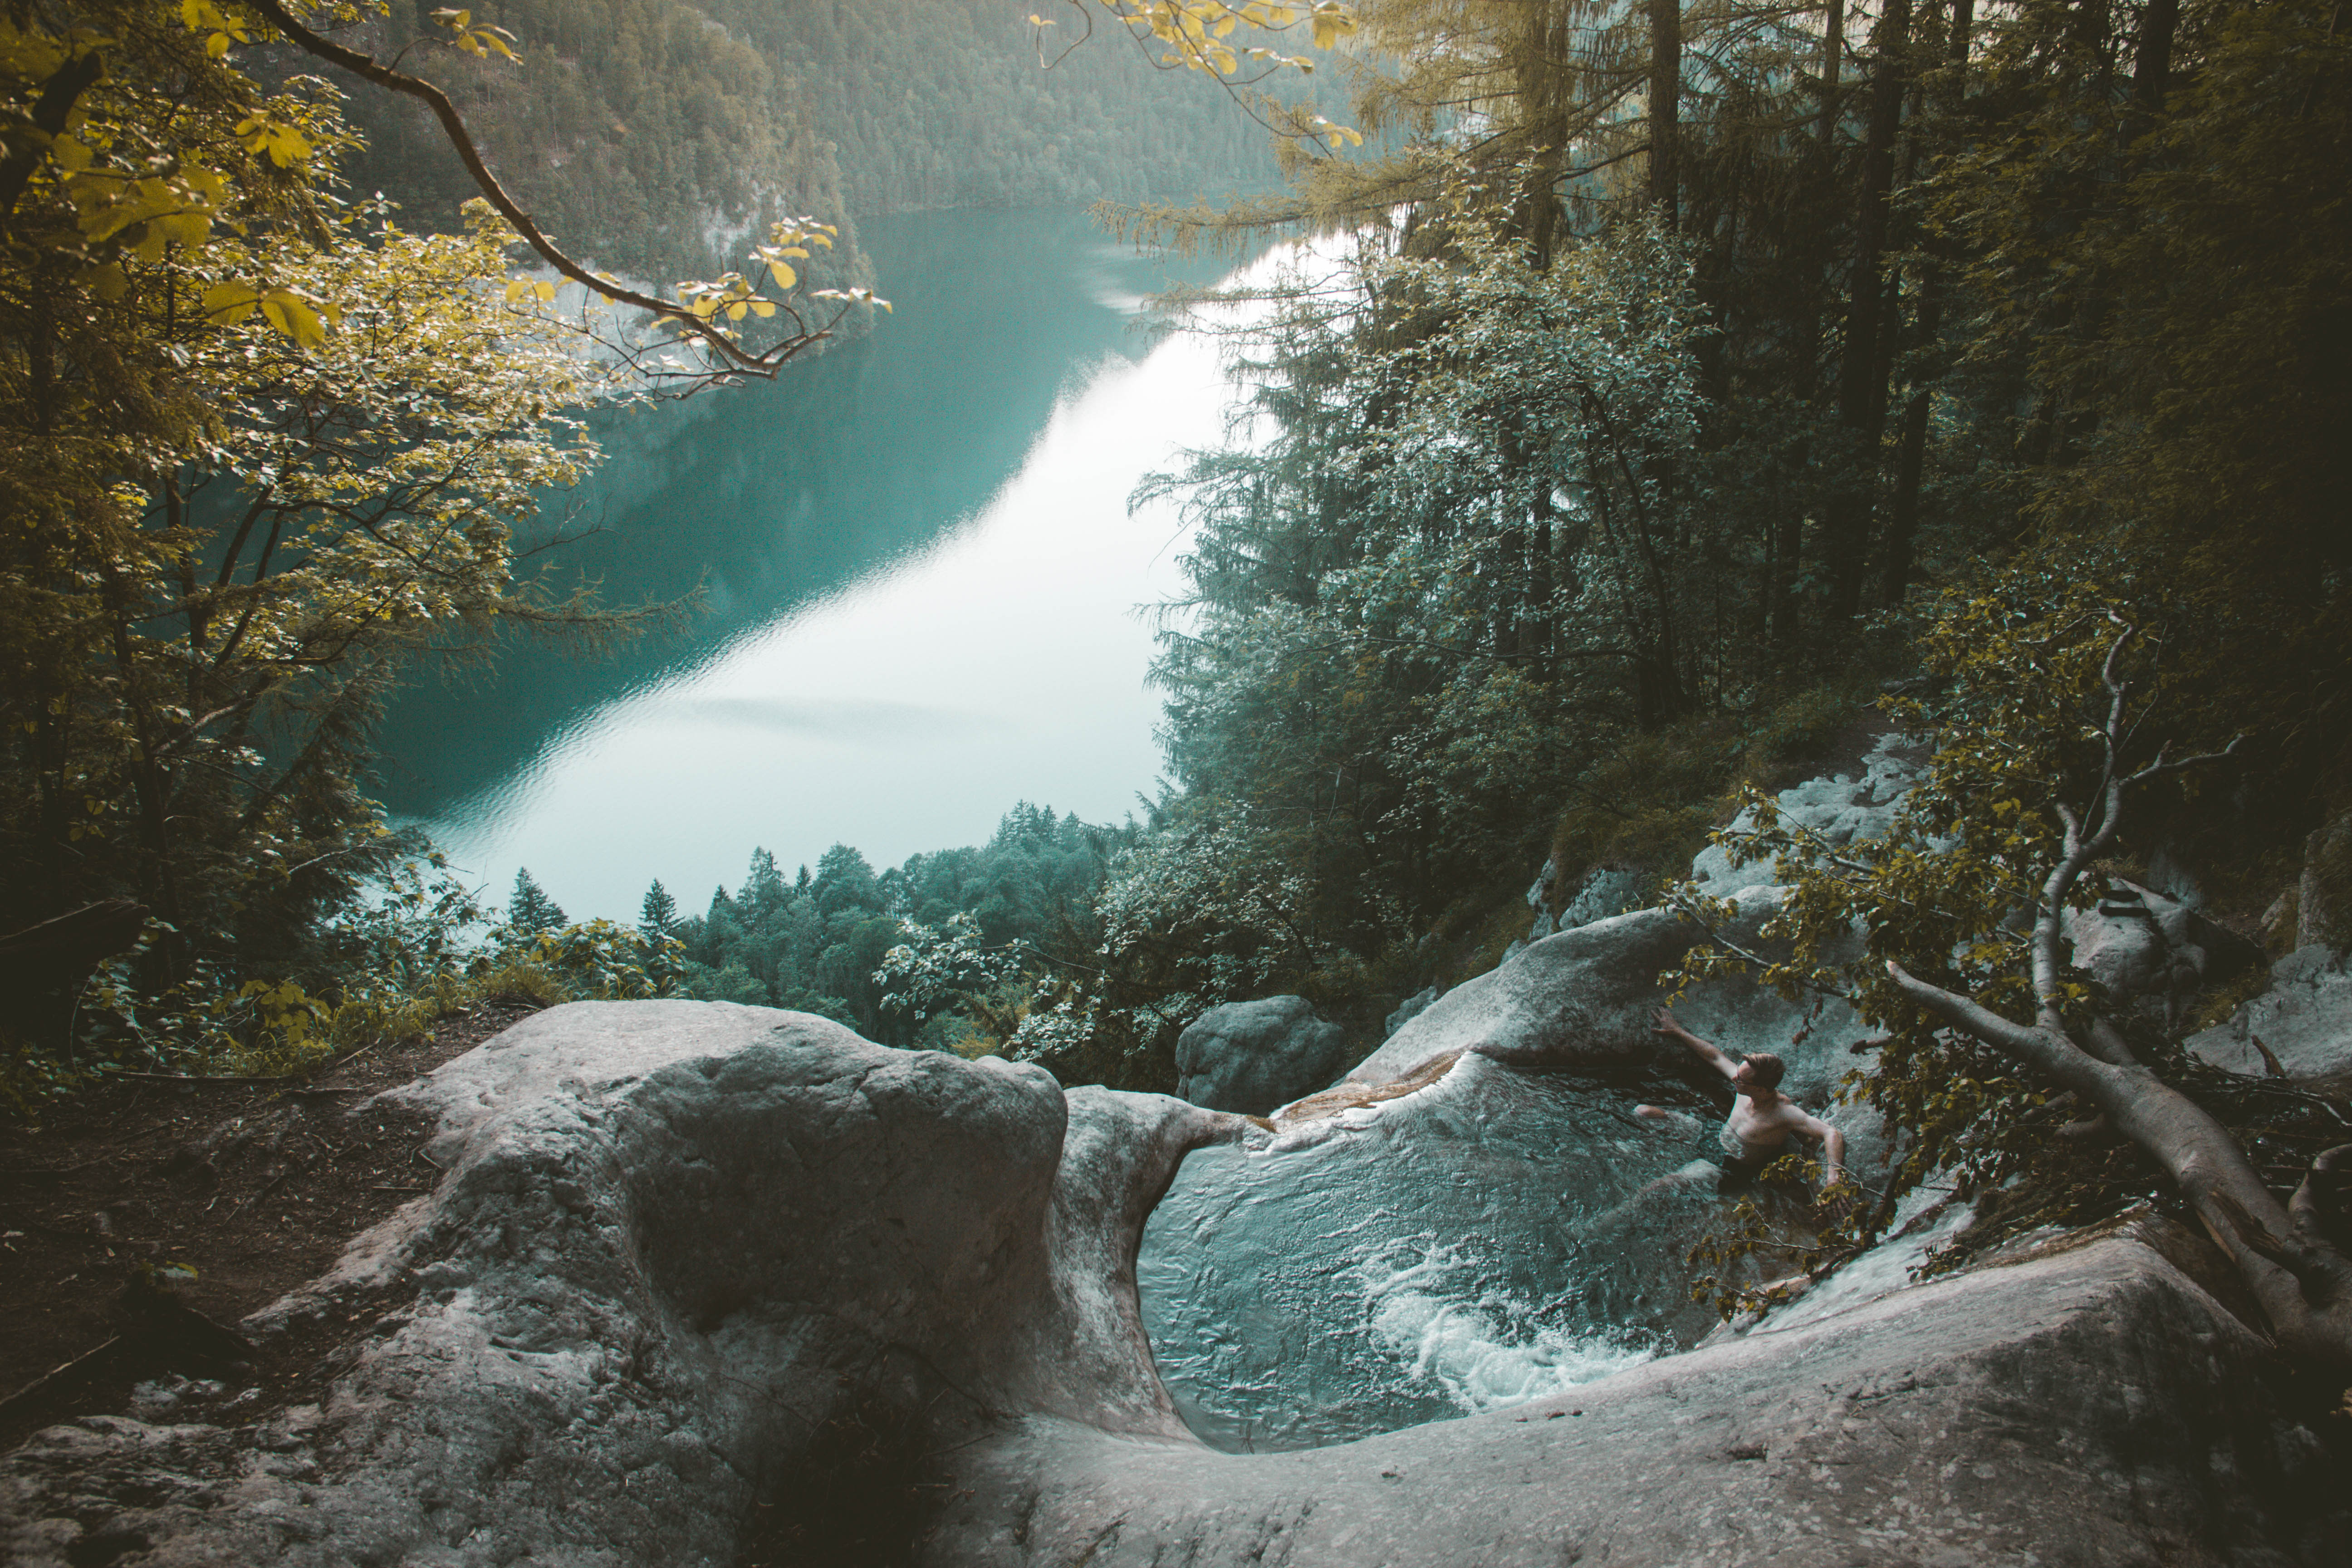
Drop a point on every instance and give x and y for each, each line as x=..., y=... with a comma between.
x=693, y=1267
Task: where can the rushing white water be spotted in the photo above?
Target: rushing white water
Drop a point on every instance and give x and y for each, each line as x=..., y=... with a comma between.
x=1497, y=1237
x=1486, y=1347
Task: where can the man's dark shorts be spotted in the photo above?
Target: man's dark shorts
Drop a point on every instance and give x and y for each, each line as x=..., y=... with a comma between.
x=1740, y=1173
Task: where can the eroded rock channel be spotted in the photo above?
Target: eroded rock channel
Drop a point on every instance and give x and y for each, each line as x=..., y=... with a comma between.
x=706, y=1284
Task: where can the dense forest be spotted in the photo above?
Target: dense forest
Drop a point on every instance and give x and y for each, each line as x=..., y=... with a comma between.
x=657, y=134
x=1683, y=375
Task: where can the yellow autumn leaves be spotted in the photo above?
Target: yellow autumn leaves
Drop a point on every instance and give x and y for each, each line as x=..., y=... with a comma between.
x=733, y=297
x=295, y=313
x=1198, y=36
x=480, y=42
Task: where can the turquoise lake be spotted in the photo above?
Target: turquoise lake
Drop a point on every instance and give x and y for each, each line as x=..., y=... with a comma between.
x=923, y=590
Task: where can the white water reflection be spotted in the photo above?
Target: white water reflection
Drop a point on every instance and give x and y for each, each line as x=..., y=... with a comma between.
x=911, y=711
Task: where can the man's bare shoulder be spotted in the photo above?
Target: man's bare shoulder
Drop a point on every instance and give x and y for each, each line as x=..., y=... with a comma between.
x=1786, y=1114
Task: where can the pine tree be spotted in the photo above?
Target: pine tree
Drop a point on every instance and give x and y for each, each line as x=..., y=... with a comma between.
x=532, y=909
x=763, y=884
x=657, y=917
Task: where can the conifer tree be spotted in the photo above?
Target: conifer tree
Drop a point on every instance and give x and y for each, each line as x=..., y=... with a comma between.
x=532, y=910
x=657, y=917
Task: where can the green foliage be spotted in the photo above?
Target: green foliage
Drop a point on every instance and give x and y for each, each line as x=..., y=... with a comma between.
x=1949, y=890
x=937, y=947
x=1197, y=912
x=594, y=960
x=1460, y=560
x=657, y=917
x=261, y=449
x=933, y=970
x=409, y=953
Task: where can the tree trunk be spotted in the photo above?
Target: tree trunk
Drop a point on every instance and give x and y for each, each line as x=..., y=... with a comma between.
x=1832, y=58
x=1910, y=461
x=2152, y=63
x=1861, y=382
x=1666, y=107
x=1903, y=506
x=2299, y=1277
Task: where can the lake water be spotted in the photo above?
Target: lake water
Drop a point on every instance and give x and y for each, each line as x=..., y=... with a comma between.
x=922, y=589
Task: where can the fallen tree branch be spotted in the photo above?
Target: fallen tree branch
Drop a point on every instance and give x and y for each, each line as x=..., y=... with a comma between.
x=2302, y=1282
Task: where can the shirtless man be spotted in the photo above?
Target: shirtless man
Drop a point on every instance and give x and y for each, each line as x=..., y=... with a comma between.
x=1762, y=1118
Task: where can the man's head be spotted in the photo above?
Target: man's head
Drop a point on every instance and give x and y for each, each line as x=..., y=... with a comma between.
x=1760, y=1073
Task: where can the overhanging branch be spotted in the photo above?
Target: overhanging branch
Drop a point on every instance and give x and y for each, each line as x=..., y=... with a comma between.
x=366, y=67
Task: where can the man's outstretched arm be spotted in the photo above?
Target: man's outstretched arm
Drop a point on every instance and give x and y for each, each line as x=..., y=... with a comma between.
x=1833, y=1149
x=1705, y=1050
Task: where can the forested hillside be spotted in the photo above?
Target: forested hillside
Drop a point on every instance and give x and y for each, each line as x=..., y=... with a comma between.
x=818, y=941
x=655, y=133
x=643, y=133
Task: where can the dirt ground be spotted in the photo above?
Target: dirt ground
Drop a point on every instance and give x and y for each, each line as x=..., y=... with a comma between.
x=141, y=1221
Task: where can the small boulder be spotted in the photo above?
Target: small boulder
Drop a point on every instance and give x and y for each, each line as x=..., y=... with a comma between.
x=1250, y=1057
x=1611, y=890
x=1411, y=1008
x=2324, y=896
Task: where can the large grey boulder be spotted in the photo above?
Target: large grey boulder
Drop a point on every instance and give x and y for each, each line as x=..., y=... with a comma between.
x=2303, y=1021
x=2092, y=1406
x=678, y=1244
x=1588, y=999
x=1251, y=1057
x=2140, y=943
x=1585, y=997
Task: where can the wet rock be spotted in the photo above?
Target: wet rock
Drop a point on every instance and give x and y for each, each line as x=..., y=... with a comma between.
x=1250, y=1057
x=1588, y=999
x=2091, y=1406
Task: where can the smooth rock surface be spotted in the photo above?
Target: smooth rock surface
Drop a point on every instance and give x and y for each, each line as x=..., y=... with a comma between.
x=2304, y=1019
x=1250, y=1057
x=675, y=1240
x=2092, y=1406
x=1588, y=999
